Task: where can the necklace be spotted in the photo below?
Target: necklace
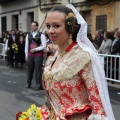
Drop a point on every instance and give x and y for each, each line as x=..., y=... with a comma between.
x=62, y=54
x=67, y=49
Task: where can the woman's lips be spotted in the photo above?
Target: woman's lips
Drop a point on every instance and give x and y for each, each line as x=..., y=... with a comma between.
x=53, y=38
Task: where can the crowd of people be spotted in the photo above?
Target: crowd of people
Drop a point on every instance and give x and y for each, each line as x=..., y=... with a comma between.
x=32, y=47
x=106, y=42
x=14, y=48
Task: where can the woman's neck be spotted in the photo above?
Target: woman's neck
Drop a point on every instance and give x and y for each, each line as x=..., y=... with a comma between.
x=63, y=47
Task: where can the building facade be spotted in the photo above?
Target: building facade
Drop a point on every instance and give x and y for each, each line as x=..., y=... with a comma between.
x=100, y=14
x=18, y=14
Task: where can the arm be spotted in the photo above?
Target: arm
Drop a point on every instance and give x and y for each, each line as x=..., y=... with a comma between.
x=109, y=43
x=43, y=43
x=9, y=42
x=100, y=48
x=6, y=45
x=90, y=83
x=26, y=46
x=108, y=46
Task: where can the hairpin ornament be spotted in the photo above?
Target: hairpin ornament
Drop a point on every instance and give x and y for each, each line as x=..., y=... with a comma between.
x=70, y=15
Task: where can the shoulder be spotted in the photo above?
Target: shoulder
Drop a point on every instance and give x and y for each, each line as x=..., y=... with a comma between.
x=78, y=54
x=75, y=61
x=109, y=40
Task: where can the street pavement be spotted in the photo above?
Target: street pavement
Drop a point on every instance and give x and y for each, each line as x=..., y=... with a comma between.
x=14, y=97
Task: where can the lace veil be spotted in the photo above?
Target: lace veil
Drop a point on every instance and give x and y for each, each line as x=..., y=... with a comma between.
x=98, y=71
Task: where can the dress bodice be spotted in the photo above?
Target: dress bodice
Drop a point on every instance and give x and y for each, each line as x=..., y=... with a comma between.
x=66, y=85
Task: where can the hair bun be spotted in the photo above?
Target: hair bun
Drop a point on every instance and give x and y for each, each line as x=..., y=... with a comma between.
x=71, y=23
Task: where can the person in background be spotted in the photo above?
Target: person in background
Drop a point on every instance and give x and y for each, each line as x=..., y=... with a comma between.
x=106, y=43
x=21, y=52
x=34, y=44
x=7, y=52
x=89, y=35
x=116, y=44
x=98, y=39
x=13, y=39
x=5, y=37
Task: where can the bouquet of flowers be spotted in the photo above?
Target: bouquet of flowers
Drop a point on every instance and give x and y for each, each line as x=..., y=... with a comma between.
x=15, y=48
x=33, y=113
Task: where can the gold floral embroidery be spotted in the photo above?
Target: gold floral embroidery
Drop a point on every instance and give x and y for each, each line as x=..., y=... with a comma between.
x=67, y=89
x=75, y=61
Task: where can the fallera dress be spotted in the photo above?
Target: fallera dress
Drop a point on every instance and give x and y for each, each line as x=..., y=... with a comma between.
x=71, y=89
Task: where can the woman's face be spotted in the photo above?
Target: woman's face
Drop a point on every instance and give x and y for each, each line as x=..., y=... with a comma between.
x=21, y=39
x=55, y=24
x=105, y=36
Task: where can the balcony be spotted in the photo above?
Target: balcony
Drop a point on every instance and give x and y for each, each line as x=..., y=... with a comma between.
x=48, y=4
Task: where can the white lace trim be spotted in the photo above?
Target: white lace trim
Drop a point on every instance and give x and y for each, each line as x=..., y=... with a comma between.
x=97, y=117
x=74, y=62
x=99, y=75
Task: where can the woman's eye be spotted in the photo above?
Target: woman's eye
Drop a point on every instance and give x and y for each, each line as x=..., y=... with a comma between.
x=56, y=26
x=48, y=26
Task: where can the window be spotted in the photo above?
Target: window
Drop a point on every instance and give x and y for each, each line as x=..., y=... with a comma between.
x=4, y=24
x=30, y=19
x=15, y=22
x=88, y=18
x=101, y=22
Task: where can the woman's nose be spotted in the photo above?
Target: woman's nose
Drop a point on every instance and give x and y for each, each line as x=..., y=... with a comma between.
x=50, y=30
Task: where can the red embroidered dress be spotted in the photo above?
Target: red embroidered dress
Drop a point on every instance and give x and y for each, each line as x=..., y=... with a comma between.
x=71, y=88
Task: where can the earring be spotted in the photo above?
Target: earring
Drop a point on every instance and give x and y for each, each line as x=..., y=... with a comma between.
x=70, y=39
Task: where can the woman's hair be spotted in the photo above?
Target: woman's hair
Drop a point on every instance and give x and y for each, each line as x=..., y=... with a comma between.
x=118, y=33
x=36, y=23
x=46, y=35
x=108, y=35
x=21, y=36
x=89, y=35
x=71, y=24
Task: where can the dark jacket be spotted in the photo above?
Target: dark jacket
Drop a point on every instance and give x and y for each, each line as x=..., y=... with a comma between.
x=11, y=42
x=21, y=52
x=97, y=42
x=115, y=47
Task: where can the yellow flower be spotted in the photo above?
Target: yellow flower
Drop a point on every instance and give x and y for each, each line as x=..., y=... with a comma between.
x=24, y=116
x=33, y=107
x=16, y=49
x=38, y=114
x=32, y=113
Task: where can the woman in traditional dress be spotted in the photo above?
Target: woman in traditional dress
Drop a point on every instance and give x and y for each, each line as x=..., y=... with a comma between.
x=73, y=78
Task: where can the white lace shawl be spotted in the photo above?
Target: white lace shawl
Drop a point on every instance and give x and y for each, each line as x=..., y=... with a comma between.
x=98, y=71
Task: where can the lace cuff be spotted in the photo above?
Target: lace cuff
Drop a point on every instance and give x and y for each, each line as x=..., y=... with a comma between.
x=97, y=117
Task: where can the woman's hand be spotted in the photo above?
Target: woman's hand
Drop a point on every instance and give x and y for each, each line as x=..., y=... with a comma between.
x=26, y=59
x=32, y=51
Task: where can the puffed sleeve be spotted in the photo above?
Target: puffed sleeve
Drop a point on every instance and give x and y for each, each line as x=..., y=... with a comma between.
x=98, y=112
